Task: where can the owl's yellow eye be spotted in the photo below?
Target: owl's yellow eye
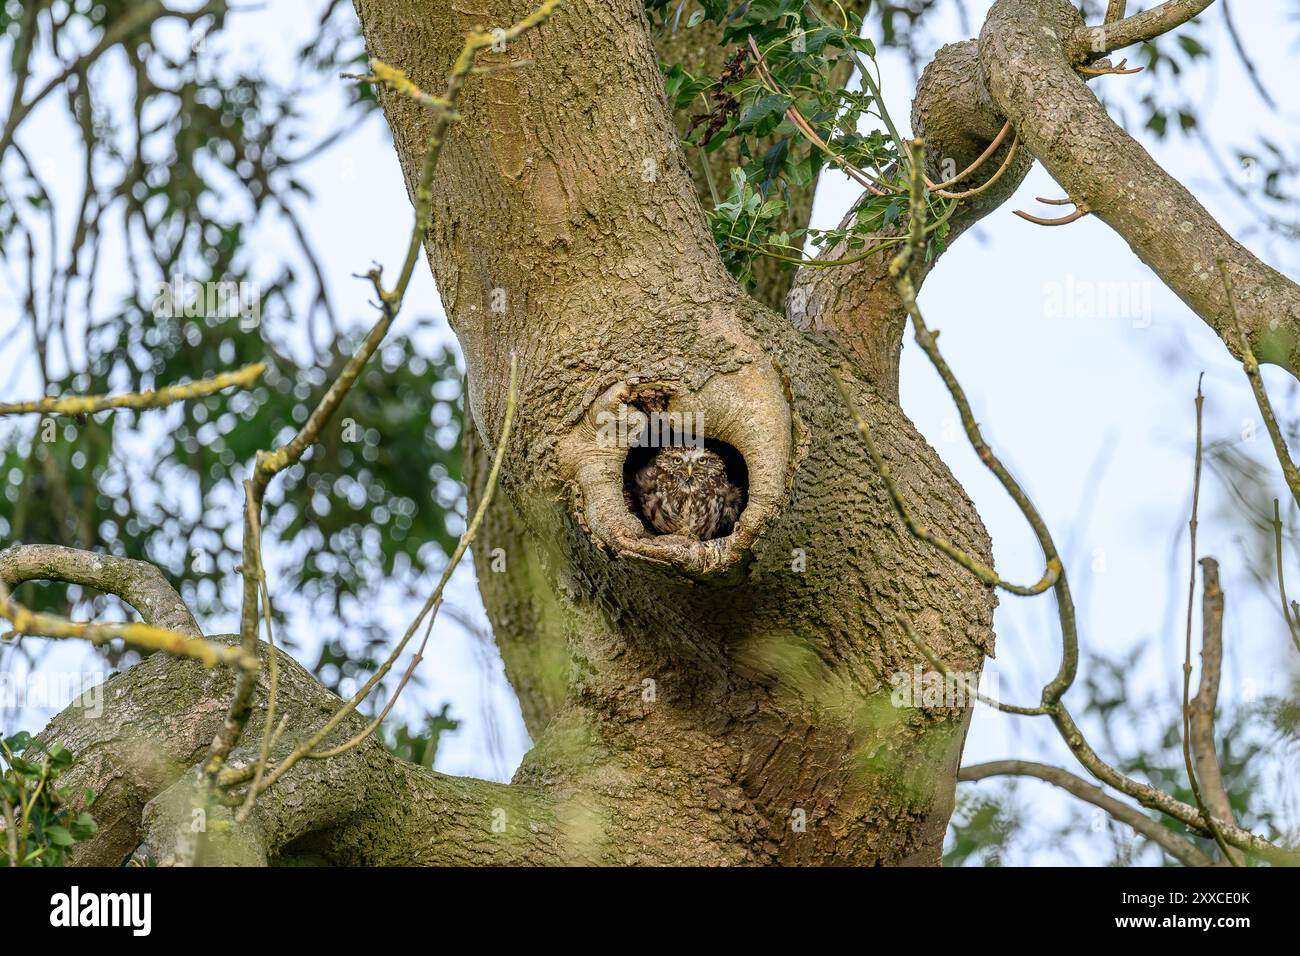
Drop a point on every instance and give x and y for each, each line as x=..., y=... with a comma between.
x=678, y=459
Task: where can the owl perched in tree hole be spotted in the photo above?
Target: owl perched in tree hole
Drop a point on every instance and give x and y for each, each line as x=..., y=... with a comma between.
x=687, y=491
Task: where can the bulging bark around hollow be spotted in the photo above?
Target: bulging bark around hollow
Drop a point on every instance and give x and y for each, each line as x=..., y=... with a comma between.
x=723, y=701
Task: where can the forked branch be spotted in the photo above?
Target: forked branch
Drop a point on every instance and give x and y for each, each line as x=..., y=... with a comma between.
x=1030, y=52
x=167, y=624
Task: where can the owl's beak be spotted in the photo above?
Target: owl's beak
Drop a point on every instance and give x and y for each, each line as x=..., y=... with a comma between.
x=690, y=468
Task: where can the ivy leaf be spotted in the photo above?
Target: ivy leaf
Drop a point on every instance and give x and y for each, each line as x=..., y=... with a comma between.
x=84, y=827
x=60, y=759
x=892, y=212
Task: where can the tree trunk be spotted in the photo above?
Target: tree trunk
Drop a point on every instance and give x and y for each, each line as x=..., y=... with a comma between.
x=710, y=702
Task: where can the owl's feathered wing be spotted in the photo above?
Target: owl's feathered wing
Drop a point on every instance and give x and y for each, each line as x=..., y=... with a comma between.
x=655, y=499
x=730, y=507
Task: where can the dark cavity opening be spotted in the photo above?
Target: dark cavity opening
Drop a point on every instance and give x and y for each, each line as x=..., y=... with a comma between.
x=639, y=456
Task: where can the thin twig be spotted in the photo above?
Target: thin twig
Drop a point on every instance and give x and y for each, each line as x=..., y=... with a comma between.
x=145, y=637
x=142, y=16
x=89, y=404
x=979, y=160
x=1176, y=846
x=976, y=567
x=1245, y=58
x=988, y=183
x=11, y=831
x=269, y=465
x=1053, y=574
x=1079, y=212
x=1140, y=27
x=1251, y=366
x=862, y=178
x=920, y=644
x=273, y=669
x=307, y=748
x=1291, y=618
x=1052, y=702
x=1117, y=69
x=1187, y=650
x=375, y=724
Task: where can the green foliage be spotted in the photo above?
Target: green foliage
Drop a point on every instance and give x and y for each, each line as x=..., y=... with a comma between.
x=37, y=820
x=740, y=218
x=421, y=746
x=790, y=116
x=810, y=52
x=196, y=162
x=982, y=830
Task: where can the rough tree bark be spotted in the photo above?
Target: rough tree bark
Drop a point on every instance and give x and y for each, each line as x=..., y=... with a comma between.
x=691, y=702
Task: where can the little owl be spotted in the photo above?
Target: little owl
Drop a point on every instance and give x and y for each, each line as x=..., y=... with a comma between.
x=686, y=491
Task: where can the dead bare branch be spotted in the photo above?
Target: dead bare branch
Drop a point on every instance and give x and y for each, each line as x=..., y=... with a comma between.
x=1206, y=701
x=1188, y=760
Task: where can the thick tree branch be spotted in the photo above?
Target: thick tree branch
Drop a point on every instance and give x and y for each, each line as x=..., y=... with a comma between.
x=1147, y=25
x=365, y=807
x=168, y=625
x=140, y=584
x=1029, y=51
